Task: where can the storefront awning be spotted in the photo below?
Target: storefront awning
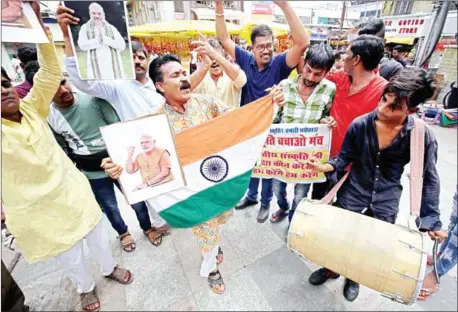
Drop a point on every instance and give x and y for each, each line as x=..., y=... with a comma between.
x=209, y=14
x=401, y=40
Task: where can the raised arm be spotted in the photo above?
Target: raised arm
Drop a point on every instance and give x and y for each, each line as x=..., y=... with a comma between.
x=298, y=34
x=232, y=71
x=47, y=79
x=221, y=30
x=131, y=165
x=199, y=75
x=106, y=91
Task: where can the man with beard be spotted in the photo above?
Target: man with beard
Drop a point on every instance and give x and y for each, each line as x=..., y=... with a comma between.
x=263, y=71
x=358, y=91
x=103, y=44
x=154, y=163
x=50, y=206
x=185, y=110
x=76, y=118
x=131, y=99
x=224, y=79
x=377, y=145
x=308, y=100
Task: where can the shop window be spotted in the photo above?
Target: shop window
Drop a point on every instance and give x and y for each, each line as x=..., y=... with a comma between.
x=403, y=7
x=179, y=6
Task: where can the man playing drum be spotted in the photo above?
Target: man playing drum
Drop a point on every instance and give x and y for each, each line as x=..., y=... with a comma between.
x=378, y=147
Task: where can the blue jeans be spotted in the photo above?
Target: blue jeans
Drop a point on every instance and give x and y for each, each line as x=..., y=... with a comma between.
x=266, y=190
x=105, y=195
x=300, y=192
x=449, y=247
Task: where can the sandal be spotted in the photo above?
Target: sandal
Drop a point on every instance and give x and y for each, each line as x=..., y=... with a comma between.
x=219, y=256
x=90, y=299
x=127, y=242
x=121, y=275
x=430, y=286
x=164, y=230
x=215, y=281
x=426, y=293
x=278, y=216
x=154, y=236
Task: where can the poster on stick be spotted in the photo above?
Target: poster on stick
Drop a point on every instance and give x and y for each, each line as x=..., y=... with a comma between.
x=287, y=149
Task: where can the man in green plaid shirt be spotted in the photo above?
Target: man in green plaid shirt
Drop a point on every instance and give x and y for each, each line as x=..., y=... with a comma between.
x=308, y=100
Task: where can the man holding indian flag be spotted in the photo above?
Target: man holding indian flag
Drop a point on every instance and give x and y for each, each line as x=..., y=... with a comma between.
x=218, y=147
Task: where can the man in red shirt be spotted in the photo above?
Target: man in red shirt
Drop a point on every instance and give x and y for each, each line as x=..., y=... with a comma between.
x=358, y=91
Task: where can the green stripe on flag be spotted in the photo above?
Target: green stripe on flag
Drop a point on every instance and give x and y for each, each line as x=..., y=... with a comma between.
x=207, y=204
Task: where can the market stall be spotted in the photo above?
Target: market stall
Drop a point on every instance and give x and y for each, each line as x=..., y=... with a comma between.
x=175, y=36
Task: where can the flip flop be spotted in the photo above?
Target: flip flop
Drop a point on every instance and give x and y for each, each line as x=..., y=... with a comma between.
x=426, y=293
x=278, y=216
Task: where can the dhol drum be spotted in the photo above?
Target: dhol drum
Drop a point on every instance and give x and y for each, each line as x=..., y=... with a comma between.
x=390, y=259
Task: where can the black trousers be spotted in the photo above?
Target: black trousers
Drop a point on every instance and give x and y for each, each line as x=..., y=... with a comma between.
x=12, y=296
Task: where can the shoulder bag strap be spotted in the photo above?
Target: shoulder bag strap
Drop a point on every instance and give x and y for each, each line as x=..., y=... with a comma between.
x=417, y=155
x=333, y=192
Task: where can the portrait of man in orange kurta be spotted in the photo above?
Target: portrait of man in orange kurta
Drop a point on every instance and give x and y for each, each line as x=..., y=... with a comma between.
x=154, y=163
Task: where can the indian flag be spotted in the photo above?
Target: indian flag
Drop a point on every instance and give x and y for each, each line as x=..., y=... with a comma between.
x=217, y=158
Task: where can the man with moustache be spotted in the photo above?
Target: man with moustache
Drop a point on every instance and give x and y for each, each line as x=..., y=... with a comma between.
x=76, y=118
x=263, y=70
x=51, y=208
x=154, y=163
x=224, y=80
x=309, y=98
x=131, y=99
x=185, y=110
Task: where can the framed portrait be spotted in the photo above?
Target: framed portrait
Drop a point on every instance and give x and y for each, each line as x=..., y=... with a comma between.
x=145, y=148
x=20, y=24
x=101, y=40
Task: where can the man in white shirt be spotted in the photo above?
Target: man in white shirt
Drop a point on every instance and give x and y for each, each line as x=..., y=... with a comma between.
x=103, y=44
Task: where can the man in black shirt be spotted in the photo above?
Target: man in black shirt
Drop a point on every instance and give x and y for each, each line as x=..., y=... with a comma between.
x=377, y=145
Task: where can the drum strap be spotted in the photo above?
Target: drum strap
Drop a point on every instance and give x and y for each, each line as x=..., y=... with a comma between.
x=417, y=154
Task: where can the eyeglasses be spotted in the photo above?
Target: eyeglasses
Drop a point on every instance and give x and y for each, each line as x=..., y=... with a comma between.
x=262, y=47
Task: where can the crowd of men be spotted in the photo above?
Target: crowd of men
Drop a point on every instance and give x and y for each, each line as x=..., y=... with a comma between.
x=53, y=193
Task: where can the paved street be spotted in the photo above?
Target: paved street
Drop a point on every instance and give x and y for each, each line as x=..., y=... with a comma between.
x=259, y=270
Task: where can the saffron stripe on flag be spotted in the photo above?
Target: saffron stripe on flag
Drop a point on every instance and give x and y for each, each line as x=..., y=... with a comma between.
x=198, y=142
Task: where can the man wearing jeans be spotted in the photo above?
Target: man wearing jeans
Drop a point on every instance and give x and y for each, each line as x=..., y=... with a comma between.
x=263, y=70
x=447, y=256
x=76, y=118
x=308, y=100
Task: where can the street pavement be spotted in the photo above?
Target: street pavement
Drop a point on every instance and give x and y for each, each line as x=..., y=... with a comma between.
x=259, y=270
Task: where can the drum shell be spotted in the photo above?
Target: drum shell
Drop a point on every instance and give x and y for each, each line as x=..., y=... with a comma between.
x=388, y=258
